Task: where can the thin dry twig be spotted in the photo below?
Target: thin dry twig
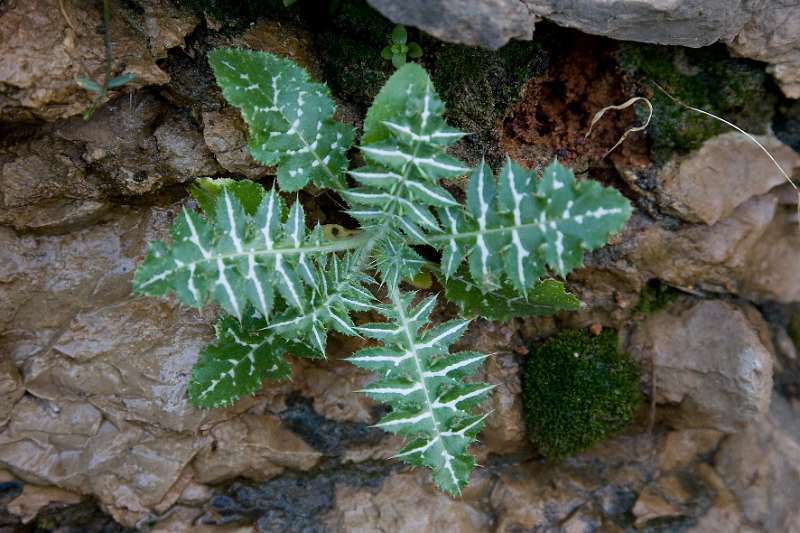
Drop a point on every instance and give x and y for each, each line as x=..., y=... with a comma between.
x=66, y=17
x=632, y=101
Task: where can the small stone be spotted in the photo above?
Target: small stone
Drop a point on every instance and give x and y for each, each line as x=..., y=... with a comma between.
x=711, y=363
x=225, y=134
x=255, y=447
x=682, y=447
x=650, y=506
x=729, y=169
x=34, y=498
x=761, y=467
x=403, y=503
x=11, y=389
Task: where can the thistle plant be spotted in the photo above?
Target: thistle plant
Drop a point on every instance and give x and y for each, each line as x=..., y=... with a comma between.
x=284, y=286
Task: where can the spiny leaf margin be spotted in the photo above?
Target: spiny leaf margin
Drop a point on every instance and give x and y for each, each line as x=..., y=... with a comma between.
x=424, y=384
x=290, y=117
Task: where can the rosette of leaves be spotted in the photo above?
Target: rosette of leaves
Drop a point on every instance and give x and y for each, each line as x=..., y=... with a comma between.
x=284, y=286
x=399, y=49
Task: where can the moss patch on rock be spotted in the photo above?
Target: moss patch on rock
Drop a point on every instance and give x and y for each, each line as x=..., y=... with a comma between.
x=655, y=296
x=578, y=390
x=480, y=85
x=349, y=44
x=706, y=78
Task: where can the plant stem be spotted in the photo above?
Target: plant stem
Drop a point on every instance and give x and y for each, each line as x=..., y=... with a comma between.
x=109, y=61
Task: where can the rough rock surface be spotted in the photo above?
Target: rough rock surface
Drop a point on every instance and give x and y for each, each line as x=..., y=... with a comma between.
x=105, y=374
x=765, y=30
x=46, y=45
x=92, y=380
x=762, y=464
x=474, y=22
x=390, y=509
x=727, y=170
x=770, y=35
x=750, y=253
x=64, y=176
x=710, y=363
x=225, y=134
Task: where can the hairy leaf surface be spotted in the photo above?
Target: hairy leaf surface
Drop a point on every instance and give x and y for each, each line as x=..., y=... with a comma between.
x=234, y=365
x=513, y=229
x=406, y=156
x=424, y=384
x=237, y=260
x=290, y=117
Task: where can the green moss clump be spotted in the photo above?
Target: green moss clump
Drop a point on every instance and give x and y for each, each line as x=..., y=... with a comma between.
x=349, y=44
x=479, y=85
x=235, y=9
x=578, y=390
x=655, y=296
x=706, y=78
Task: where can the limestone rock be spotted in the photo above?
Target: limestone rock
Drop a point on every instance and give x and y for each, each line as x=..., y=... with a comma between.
x=106, y=412
x=691, y=23
x=403, y=504
x=751, y=253
x=765, y=30
x=770, y=34
x=651, y=506
x=135, y=146
x=44, y=48
x=710, y=361
x=11, y=389
x=683, y=447
x=34, y=498
x=488, y=23
x=69, y=445
x=255, y=447
x=729, y=169
x=545, y=504
x=761, y=465
x=505, y=429
x=63, y=177
x=225, y=134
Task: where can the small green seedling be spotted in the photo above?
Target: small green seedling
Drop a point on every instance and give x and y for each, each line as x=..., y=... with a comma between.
x=101, y=89
x=399, y=48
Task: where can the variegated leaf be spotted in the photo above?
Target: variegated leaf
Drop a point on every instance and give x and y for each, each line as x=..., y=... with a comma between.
x=406, y=158
x=340, y=290
x=424, y=385
x=527, y=226
x=547, y=297
x=237, y=361
x=237, y=260
x=290, y=117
